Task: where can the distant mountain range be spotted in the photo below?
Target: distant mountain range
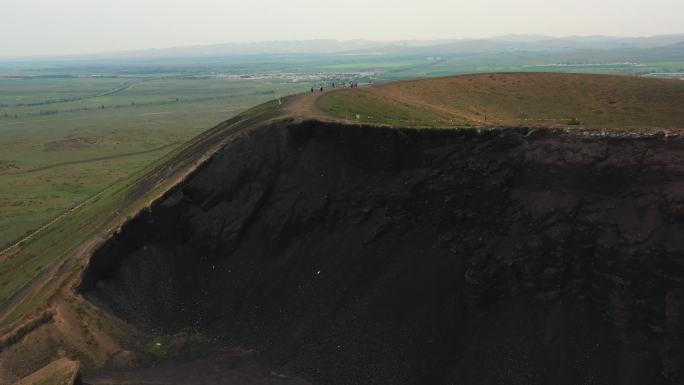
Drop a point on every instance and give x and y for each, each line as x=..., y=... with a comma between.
x=534, y=43
x=506, y=43
x=500, y=43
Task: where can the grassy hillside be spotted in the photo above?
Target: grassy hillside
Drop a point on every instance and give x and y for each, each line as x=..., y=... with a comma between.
x=516, y=99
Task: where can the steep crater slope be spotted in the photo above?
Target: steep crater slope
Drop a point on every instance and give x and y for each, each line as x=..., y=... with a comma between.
x=361, y=255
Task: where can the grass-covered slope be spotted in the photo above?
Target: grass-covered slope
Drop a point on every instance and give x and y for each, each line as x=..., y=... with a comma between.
x=516, y=99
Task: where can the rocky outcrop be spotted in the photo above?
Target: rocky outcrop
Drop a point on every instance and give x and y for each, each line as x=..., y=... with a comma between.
x=352, y=254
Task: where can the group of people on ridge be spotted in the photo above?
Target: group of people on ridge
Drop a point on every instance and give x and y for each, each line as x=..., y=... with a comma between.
x=352, y=84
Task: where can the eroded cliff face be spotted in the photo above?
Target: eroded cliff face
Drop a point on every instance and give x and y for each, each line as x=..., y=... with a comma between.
x=360, y=255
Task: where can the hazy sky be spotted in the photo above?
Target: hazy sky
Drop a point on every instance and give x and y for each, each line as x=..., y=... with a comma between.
x=48, y=27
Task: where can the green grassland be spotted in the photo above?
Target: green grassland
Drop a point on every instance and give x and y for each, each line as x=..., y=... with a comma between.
x=352, y=105
x=22, y=92
x=51, y=162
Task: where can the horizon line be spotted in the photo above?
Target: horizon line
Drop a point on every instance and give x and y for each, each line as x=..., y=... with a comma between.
x=116, y=52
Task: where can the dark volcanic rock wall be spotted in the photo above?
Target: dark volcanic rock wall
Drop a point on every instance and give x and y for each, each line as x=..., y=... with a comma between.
x=357, y=255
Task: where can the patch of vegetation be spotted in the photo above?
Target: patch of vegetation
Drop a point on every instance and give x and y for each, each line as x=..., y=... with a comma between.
x=158, y=347
x=574, y=122
x=78, y=355
x=357, y=105
x=51, y=352
x=184, y=343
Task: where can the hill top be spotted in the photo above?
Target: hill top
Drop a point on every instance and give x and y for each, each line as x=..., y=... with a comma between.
x=515, y=99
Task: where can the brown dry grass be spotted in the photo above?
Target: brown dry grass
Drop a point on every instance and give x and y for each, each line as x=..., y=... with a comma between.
x=518, y=99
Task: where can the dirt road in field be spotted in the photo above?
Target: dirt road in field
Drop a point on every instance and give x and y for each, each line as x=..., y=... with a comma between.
x=98, y=159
